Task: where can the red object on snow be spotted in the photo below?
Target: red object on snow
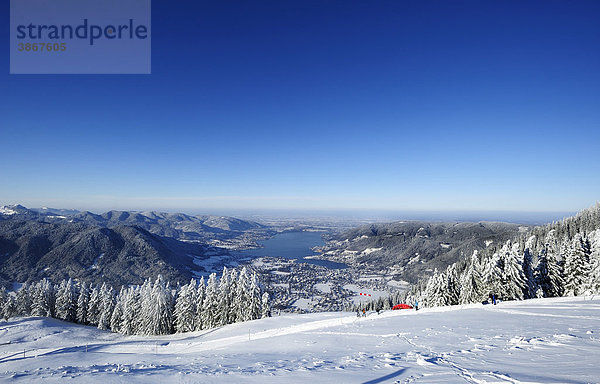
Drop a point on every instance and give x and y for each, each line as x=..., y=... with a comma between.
x=402, y=306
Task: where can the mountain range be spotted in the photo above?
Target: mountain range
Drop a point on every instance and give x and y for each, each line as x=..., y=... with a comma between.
x=120, y=247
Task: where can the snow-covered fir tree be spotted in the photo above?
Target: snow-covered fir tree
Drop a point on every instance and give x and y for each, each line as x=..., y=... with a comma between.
x=200, y=296
x=434, y=295
x=471, y=282
x=265, y=306
x=185, y=308
x=66, y=301
x=3, y=298
x=222, y=313
x=210, y=305
x=255, y=298
x=241, y=303
x=577, y=266
x=132, y=307
x=513, y=280
x=233, y=284
x=83, y=301
x=116, y=318
x=529, y=269
x=157, y=310
x=10, y=307
x=106, y=306
x=548, y=273
x=452, y=289
x=592, y=286
x=23, y=300
x=93, y=312
x=42, y=303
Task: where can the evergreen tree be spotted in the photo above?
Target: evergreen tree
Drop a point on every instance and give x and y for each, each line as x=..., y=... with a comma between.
x=66, y=301
x=185, y=308
x=255, y=297
x=548, y=271
x=528, y=269
x=157, y=309
x=10, y=307
x=266, y=307
x=107, y=304
x=83, y=301
x=222, y=313
x=593, y=283
x=23, y=301
x=43, y=299
x=471, y=282
x=494, y=274
x=233, y=283
x=577, y=268
x=147, y=308
x=130, y=320
x=242, y=299
x=93, y=312
x=116, y=319
x=452, y=291
x=434, y=291
x=3, y=299
x=210, y=306
x=513, y=279
x=200, y=296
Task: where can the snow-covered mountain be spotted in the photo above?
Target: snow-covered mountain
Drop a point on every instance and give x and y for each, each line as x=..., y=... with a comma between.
x=532, y=341
x=17, y=210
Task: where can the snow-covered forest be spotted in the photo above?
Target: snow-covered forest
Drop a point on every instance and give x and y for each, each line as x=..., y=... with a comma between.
x=150, y=309
x=558, y=259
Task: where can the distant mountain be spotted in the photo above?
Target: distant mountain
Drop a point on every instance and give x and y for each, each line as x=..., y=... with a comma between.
x=413, y=249
x=119, y=247
x=12, y=211
x=175, y=225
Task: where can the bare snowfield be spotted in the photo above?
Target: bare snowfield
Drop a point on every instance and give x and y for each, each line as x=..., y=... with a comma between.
x=534, y=341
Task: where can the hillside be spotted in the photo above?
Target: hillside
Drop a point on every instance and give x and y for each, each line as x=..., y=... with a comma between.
x=123, y=255
x=558, y=259
x=533, y=341
x=413, y=249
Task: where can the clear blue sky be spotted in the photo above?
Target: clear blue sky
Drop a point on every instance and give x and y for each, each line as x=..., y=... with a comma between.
x=437, y=105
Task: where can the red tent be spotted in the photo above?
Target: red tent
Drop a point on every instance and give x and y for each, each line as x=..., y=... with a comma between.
x=402, y=306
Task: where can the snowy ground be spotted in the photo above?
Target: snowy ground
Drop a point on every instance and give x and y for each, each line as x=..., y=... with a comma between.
x=537, y=341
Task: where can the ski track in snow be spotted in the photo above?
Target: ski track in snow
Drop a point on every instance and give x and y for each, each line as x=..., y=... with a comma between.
x=536, y=341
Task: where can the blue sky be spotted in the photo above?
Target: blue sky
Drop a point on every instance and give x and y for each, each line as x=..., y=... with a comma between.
x=391, y=105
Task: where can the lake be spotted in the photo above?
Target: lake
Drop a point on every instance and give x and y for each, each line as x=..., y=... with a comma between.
x=293, y=245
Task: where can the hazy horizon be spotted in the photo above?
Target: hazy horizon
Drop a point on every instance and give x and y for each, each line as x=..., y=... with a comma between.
x=367, y=215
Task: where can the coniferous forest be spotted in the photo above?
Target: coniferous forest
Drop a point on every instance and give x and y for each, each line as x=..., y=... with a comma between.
x=557, y=259
x=154, y=308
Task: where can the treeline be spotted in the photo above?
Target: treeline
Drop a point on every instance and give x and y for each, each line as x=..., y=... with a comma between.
x=558, y=259
x=150, y=309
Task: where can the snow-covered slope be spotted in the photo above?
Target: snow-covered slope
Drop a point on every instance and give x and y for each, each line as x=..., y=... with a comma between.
x=534, y=341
